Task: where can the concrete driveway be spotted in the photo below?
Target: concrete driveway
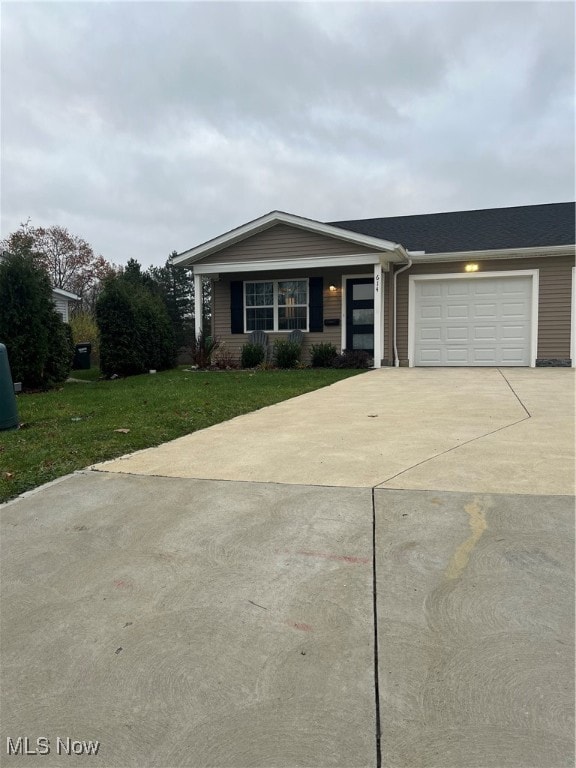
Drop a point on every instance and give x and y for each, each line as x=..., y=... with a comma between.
x=377, y=573
x=457, y=429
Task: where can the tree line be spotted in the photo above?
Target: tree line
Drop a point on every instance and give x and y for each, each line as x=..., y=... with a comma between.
x=135, y=319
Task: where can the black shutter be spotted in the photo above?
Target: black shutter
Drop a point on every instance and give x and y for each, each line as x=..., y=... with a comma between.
x=316, y=288
x=236, y=306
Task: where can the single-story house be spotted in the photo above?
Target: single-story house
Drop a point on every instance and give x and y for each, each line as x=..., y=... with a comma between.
x=62, y=300
x=492, y=287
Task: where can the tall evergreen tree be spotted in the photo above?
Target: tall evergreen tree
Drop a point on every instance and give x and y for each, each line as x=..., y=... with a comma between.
x=176, y=287
x=38, y=342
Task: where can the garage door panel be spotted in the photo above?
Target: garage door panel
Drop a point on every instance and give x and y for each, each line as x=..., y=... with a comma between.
x=456, y=288
x=512, y=355
x=431, y=290
x=431, y=356
x=433, y=311
x=456, y=356
x=457, y=333
x=487, y=356
x=458, y=311
x=513, y=310
x=516, y=332
x=484, y=289
x=430, y=334
x=473, y=321
x=485, y=310
x=485, y=333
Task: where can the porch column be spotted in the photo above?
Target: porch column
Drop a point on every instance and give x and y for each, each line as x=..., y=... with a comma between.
x=197, y=304
x=378, y=336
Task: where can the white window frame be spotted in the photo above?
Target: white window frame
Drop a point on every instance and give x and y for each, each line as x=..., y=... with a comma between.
x=412, y=279
x=275, y=304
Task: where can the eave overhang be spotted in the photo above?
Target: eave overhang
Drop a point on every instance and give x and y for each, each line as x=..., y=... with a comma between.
x=544, y=251
x=303, y=263
x=66, y=294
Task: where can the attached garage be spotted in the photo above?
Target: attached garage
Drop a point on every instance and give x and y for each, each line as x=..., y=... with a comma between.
x=488, y=319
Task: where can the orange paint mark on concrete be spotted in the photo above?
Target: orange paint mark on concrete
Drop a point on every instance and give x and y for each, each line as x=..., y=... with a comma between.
x=299, y=625
x=327, y=556
x=121, y=584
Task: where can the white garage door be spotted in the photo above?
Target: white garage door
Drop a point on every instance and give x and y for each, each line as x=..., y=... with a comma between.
x=473, y=321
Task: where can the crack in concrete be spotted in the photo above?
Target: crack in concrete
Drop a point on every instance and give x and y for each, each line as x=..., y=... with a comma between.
x=467, y=442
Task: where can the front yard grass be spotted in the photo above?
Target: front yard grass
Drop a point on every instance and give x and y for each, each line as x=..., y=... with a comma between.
x=74, y=426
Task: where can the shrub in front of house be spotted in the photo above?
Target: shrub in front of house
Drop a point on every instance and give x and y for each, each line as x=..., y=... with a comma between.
x=59, y=362
x=224, y=360
x=202, y=348
x=136, y=334
x=323, y=355
x=287, y=353
x=252, y=355
x=352, y=358
x=34, y=333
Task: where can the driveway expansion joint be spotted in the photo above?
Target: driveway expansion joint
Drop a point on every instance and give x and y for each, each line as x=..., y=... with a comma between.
x=375, y=629
x=516, y=395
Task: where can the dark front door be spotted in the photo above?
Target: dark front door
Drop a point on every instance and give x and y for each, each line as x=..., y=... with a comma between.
x=360, y=314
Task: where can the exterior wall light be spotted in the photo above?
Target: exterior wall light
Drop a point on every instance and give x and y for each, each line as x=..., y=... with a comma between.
x=471, y=267
x=332, y=288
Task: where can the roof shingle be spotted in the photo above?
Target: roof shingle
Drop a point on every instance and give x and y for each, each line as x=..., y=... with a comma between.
x=525, y=226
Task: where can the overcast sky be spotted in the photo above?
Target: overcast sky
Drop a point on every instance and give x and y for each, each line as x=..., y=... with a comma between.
x=150, y=127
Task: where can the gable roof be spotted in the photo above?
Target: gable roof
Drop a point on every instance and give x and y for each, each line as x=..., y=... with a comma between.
x=65, y=294
x=197, y=253
x=525, y=226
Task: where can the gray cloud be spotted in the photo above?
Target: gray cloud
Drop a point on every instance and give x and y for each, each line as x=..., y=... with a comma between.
x=148, y=127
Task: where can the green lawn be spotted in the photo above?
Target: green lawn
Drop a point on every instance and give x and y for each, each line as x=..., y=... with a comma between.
x=69, y=428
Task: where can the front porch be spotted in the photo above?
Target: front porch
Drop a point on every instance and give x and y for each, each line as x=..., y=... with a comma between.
x=348, y=305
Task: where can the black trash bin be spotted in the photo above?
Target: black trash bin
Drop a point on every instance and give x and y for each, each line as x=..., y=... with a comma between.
x=82, y=356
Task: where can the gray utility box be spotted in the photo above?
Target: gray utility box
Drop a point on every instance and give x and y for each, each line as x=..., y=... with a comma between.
x=8, y=409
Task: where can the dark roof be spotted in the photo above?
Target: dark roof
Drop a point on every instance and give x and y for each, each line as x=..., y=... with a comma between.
x=525, y=226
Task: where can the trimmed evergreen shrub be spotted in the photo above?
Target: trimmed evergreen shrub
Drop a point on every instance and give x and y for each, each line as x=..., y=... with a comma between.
x=252, y=355
x=59, y=362
x=120, y=348
x=136, y=334
x=154, y=329
x=352, y=358
x=323, y=355
x=32, y=330
x=287, y=353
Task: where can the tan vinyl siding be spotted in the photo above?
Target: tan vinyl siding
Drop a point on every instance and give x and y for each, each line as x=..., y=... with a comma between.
x=332, y=308
x=553, y=300
x=284, y=242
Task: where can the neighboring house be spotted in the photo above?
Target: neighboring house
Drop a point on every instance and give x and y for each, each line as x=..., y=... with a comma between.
x=62, y=301
x=490, y=287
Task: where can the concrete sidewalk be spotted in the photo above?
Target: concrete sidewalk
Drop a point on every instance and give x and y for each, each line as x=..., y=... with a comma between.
x=266, y=620
x=468, y=429
x=213, y=624
x=189, y=623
